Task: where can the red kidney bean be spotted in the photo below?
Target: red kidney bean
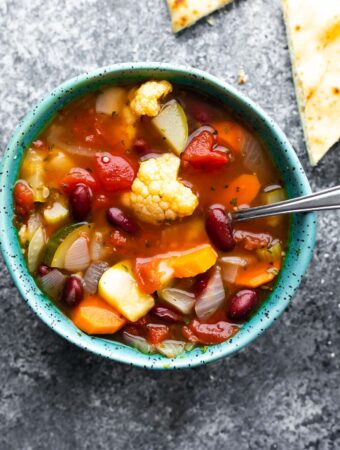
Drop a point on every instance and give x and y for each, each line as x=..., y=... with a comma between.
x=218, y=227
x=141, y=146
x=73, y=291
x=166, y=314
x=43, y=270
x=120, y=219
x=201, y=283
x=202, y=116
x=242, y=304
x=81, y=201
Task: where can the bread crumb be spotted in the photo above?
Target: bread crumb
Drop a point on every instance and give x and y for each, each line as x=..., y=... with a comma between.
x=242, y=77
x=210, y=21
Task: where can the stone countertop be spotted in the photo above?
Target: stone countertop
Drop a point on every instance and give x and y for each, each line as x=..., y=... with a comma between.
x=282, y=392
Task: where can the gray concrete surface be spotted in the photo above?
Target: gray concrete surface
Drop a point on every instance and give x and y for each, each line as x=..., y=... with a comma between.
x=280, y=393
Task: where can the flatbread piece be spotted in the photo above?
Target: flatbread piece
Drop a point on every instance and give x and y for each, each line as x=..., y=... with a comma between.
x=185, y=13
x=313, y=29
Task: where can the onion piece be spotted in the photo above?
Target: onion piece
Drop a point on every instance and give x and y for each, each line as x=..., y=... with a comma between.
x=111, y=100
x=96, y=246
x=253, y=155
x=171, y=348
x=54, y=138
x=92, y=276
x=211, y=297
x=235, y=260
x=33, y=222
x=138, y=342
x=230, y=266
x=77, y=257
x=52, y=283
x=183, y=301
x=229, y=273
x=189, y=346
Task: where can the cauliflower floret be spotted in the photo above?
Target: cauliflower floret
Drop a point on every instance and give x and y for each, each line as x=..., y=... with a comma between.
x=157, y=195
x=145, y=100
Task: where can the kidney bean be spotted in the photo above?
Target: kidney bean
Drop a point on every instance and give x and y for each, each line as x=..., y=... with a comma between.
x=201, y=283
x=242, y=304
x=141, y=146
x=43, y=270
x=73, y=291
x=167, y=314
x=120, y=219
x=218, y=227
x=81, y=201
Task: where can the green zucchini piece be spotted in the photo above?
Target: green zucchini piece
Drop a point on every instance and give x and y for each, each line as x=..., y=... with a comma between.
x=61, y=240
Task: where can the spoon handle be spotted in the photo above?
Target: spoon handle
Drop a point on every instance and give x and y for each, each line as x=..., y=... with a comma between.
x=323, y=200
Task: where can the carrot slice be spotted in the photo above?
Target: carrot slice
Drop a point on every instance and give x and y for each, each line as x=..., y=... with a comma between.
x=193, y=262
x=230, y=135
x=94, y=316
x=258, y=274
x=156, y=272
x=242, y=191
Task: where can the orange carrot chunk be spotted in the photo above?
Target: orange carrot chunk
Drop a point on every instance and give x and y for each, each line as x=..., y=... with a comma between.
x=193, y=262
x=95, y=316
x=257, y=274
x=230, y=135
x=242, y=191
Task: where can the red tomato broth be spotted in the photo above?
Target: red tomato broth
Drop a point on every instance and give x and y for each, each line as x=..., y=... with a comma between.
x=82, y=126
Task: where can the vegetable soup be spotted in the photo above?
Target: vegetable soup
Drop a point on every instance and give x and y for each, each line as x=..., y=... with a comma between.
x=121, y=206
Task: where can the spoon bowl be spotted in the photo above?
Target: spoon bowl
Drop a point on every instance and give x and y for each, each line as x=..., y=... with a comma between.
x=318, y=201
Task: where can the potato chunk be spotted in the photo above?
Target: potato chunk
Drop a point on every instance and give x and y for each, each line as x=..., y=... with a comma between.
x=120, y=289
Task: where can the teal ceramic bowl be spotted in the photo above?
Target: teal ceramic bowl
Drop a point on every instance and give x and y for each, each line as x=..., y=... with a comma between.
x=302, y=231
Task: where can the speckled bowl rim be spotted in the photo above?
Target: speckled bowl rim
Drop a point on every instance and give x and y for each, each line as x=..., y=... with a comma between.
x=303, y=229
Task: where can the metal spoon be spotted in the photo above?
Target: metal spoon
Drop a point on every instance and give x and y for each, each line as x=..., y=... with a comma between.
x=323, y=200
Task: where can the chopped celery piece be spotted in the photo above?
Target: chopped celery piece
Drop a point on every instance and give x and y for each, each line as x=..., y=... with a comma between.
x=270, y=254
x=56, y=214
x=35, y=249
x=33, y=172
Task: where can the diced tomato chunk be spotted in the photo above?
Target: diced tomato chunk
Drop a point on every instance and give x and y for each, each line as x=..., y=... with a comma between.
x=189, y=335
x=132, y=329
x=85, y=130
x=252, y=241
x=142, y=322
x=115, y=172
x=147, y=274
x=200, y=152
x=156, y=333
x=101, y=201
x=23, y=198
x=77, y=176
x=212, y=333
